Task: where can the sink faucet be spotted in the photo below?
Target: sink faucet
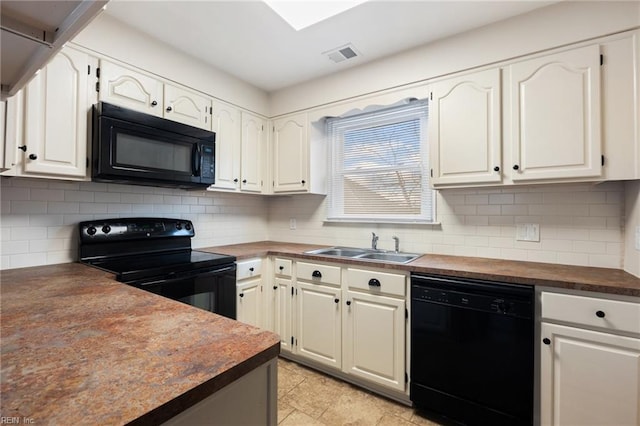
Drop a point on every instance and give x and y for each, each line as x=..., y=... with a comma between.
x=397, y=243
x=374, y=241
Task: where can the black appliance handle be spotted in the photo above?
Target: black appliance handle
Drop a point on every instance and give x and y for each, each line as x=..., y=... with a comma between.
x=186, y=276
x=196, y=160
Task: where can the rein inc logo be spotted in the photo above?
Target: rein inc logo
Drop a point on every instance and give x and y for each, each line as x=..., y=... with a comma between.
x=16, y=420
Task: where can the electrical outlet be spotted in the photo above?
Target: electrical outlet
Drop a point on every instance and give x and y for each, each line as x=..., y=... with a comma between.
x=528, y=232
x=292, y=223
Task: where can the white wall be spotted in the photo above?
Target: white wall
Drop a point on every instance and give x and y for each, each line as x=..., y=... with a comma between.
x=107, y=36
x=632, y=223
x=545, y=28
x=580, y=224
x=39, y=218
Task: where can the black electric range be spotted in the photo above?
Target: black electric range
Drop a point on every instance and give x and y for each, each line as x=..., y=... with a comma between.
x=155, y=254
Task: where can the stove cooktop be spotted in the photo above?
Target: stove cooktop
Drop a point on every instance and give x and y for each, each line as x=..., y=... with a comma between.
x=136, y=267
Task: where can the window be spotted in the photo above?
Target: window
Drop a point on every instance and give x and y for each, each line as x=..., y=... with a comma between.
x=378, y=166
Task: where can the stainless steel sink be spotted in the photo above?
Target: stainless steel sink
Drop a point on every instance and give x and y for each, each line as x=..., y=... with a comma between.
x=390, y=257
x=339, y=251
x=366, y=254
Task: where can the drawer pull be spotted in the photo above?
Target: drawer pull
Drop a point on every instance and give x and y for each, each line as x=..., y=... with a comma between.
x=336, y=300
x=241, y=295
x=348, y=302
x=275, y=287
x=600, y=314
x=374, y=282
x=251, y=269
x=546, y=341
x=316, y=274
x=282, y=268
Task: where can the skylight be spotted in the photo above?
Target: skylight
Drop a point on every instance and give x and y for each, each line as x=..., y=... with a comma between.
x=302, y=14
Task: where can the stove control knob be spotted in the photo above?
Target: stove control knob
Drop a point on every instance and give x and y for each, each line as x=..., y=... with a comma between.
x=504, y=307
x=91, y=230
x=178, y=226
x=187, y=227
x=106, y=229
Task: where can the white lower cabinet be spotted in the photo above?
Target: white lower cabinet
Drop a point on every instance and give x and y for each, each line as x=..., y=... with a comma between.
x=374, y=344
x=282, y=310
x=319, y=334
x=249, y=303
x=350, y=322
x=590, y=372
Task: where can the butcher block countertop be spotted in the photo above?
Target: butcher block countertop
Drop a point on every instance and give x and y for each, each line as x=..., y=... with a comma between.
x=79, y=347
x=604, y=280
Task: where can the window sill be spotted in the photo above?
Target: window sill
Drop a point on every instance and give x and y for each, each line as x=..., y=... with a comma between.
x=381, y=221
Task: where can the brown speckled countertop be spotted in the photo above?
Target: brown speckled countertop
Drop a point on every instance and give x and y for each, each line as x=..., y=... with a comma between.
x=605, y=280
x=80, y=348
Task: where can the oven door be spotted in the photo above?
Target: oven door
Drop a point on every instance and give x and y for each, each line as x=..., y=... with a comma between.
x=213, y=290
x=128, y=151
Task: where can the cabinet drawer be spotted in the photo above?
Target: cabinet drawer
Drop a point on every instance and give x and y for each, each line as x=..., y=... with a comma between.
x=376, y=282
x=614, y=315
x=282, y=267
x=248, y=268
x=324, y=274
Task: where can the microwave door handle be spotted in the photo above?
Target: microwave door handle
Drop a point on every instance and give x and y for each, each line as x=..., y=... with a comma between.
x=196, y=160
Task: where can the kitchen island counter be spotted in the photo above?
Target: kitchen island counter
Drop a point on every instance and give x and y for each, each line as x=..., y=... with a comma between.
x=604, y=280
x=80, y=348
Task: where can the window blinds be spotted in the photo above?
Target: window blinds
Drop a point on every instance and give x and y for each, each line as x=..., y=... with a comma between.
x=378, y=166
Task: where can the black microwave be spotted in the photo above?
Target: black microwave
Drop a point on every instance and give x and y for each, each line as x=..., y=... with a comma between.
x=136, y=148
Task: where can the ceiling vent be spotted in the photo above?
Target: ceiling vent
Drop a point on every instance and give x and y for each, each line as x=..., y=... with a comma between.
x=342, y=53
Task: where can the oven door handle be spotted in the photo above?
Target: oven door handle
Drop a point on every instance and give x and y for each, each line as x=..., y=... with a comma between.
x=213, y=272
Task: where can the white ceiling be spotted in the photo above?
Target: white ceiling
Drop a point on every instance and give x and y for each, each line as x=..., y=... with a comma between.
x=250, y=41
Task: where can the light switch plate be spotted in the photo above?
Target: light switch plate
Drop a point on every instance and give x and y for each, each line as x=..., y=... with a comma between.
x=292, y=223
x=528, y=232
x=638, y=238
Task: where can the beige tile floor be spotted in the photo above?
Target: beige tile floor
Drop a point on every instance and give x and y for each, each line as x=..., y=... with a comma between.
x=307, y=397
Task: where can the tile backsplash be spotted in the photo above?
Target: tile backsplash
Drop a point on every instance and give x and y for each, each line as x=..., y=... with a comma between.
x=580, y=224
x=39, y=217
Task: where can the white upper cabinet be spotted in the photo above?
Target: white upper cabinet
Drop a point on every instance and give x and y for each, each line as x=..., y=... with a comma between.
x=226, y=125
x=465, y=129
x=130, y=89
x=554, y=116
x=56, y=109
x=187, y=107
x=290, y=154
x=253, y=145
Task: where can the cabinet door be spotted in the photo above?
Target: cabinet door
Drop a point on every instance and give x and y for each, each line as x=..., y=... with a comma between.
x=464, y=129
x=56, y=115
x=249, y=301
x=589, y=378
x=375, y=339
x=282, y=312
x=130, y=89
x=555, y=116
x=252, y=148
x=187, y=107
x=226, y=125
x=290, y=154
x=319, y=325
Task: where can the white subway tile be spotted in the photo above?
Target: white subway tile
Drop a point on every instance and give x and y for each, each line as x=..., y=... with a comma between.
x=14, y=247
x=501, y=220
x=189, y=200
x=501, y=198
x=30, y=183
x=28, y=207
x=542, y=256
x=464, y=210
x=172, y=199
x=132, y=198
x=476, y=199
x=490, y=210
x=610, y=210
x=557, y=245
x=79, y=196
x=63, y=256
x=152, y=199
x=578, y=259
x=595, y=247
x=119, y=208
x=47, y=194
x=142, y=208
x=514, y=254
x=528, y=198
x=197, y=209
x=93, y=186
x=45, y=219
x=466, y=251
x=26, y=260
x=74, y=219
x=476, y=220
x=605, y=261
x=609, y=235
x=515, y=210
x=477, y=241
x=107, y=197
x=64, y=185
x=14, y=194
x=63, y=207
x=93, y=207
x=20, y=233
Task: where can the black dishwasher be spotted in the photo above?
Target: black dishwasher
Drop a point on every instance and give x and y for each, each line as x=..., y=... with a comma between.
x=472, y=350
